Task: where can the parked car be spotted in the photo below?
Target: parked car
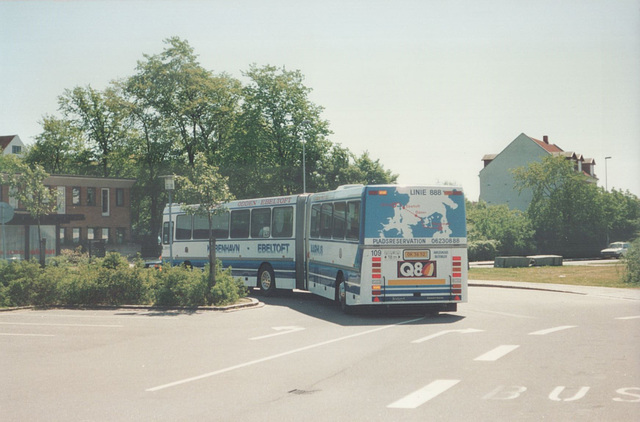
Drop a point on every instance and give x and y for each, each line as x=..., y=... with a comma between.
x=615, y=250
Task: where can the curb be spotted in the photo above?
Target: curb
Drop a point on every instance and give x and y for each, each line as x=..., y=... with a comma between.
x=252, y=303
x=508, y=285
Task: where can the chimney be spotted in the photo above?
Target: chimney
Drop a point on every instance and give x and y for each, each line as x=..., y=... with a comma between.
x=545, y=138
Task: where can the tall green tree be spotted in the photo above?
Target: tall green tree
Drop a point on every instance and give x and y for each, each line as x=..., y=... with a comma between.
x=59, y=149
x=200, y=107
x=101, y=118
x=277, y=119
x=566, y=211
x=207, y=190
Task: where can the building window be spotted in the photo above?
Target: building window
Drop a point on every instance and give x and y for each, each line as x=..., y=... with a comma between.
x=91, y=196
x=105, y=202
x=76, y=235
x=63, y=235
x=91, y=233
x=119, y=197
x=16, y=149
x=105, y=234
x=13, y=201
x=75, y=195
x=120, y=235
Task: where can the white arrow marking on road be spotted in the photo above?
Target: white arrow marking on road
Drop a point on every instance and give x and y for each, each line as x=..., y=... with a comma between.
x=423, y=395
x=281, y=331
x=629, y=317
x=441, y=333
x=551, y=330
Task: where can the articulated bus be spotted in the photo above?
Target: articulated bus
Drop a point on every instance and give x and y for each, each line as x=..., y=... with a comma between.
x=376, y=245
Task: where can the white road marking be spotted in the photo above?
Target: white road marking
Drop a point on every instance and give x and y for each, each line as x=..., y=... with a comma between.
x=280, y=331
x=279, y=355
x=26, y=335
x=423, y=395
x=629, y=317
x=45, y=324
x=484, y=311
x=496, y=353
x=551, y=330
x=441, y=333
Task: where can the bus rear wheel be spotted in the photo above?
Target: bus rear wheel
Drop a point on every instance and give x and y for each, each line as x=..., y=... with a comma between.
x=341, y=294
x=266, y=280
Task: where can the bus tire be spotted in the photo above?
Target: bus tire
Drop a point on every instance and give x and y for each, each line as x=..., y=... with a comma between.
x=341, y=294
x=266, y=280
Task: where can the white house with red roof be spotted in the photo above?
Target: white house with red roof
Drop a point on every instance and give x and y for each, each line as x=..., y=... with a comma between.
x=11, y=145
x=496, y=178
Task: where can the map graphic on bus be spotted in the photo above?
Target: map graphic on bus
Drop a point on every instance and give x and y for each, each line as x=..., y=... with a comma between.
x=430, y=214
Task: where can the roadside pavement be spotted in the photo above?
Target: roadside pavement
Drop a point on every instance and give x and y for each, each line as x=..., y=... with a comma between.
x=610, y=292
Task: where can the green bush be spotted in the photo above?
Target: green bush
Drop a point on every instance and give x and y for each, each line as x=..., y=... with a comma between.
x=228, y=290
x=74, y=279
x=483, y=250
x=632, y=260
x=179, y=286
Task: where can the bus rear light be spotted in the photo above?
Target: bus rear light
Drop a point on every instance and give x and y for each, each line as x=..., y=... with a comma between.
x=376, y=275
x=457, y=275
x=378, y=192
x=457, y=258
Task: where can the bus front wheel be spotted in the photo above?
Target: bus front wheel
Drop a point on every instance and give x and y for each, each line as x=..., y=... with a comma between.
x=266, y=280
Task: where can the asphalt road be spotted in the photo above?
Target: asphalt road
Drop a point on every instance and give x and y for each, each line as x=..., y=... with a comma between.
x=509, y=354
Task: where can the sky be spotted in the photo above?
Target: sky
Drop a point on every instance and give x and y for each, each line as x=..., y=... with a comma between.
x=428, y=87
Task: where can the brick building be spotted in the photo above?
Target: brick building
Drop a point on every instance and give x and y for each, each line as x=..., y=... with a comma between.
x=88, y=209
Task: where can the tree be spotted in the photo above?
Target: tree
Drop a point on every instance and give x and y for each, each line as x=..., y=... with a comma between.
x=566, y=211
x=200, y=107
x=100, y=117
x=27, y=181
x=511, y=229
x=622, y=215
x=59, y=148
x=277, y=118
x=207, y=190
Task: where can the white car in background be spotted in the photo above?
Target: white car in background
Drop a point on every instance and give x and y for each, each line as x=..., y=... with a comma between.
x=615, y=250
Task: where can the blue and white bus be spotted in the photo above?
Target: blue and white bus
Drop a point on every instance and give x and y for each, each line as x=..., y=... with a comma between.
x=359, y=245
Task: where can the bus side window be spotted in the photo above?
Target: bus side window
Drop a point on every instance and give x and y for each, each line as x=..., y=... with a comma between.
x=221, y=225
x=261, y=222
x=183, y=227
x=200, y=227
x=166, y=232
x=353, y=220
x=315, y=221
x=326, y=216
x=240, y=224
x=282, y=225
x=339, y=220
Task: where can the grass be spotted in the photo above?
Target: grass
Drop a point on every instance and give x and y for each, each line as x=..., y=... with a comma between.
x=582, y=275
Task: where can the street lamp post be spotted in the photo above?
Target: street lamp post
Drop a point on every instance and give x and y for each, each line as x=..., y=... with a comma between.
x=304, y=167
x=606, y=181
x=169, y=185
